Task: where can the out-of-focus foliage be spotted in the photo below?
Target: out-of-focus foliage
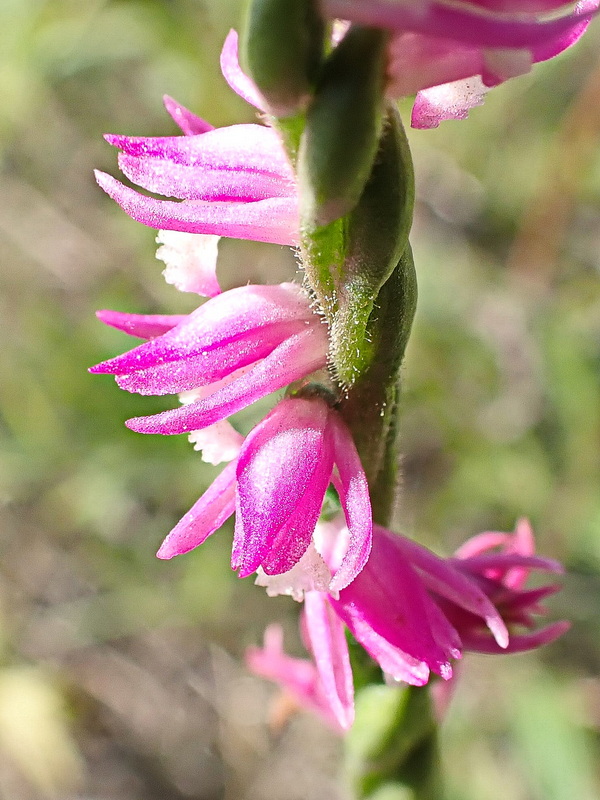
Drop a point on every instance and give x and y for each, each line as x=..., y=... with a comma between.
x=120, y=676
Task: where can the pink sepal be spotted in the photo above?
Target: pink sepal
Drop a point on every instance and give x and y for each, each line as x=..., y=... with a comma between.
x=325, y=634
x=145, y=326
x=351, y=484
x=273, y=220
x=241, y=84
x=205, y=517
x=283, y=471
x=292, y=360
x=189, y=123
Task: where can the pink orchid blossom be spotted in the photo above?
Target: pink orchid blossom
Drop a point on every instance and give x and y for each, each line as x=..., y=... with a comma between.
x=451, y=53
x=414, y=611
x=276, y=487
x=234, y=349
x=233, y=181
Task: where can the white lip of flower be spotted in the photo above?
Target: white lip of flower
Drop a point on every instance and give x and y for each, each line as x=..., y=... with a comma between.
x=310, y=574
x=219, y=442
x=191, y=261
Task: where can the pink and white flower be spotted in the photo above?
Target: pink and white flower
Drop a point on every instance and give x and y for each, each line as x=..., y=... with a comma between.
x=276, y=487
x=451, y=53
x=233, y=181
x=234, y=349
x=414, y=612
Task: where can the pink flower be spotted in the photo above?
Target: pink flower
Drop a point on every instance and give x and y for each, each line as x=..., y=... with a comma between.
x=414, y=612
x=276, y=487
x=450, y=53
x=239, y=346
x=233, y=181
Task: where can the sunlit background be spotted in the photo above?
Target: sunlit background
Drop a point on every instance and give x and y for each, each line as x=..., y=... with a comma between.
x=122, y=676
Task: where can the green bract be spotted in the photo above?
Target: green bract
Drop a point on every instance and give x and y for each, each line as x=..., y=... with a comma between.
x=343, y=126
x=282, y=49
x=348, y=261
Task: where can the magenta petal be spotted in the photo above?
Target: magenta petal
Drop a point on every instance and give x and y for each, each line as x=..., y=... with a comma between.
x=353, y=489
x=462, y=22
x=189, y=123
x=241, y=84
x=146, y=326
x=286, y=457
x=399, y=665
x=519, y=643
x=190, y=182
x=274, y=220
x=206, y=516
x=180, y=374
x=251, y=318
x=555, y=45
x=295, y=358
x=447, y=580
x=293, y=538
x=390, y=598
x=250, y=147
x=325, y=634
x=505, y=561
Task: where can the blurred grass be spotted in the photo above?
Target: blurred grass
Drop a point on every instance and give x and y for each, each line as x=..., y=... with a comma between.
x=120, y=675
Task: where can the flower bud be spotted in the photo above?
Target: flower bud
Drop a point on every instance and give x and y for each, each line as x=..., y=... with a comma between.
x=282, y=48
x=343, y=126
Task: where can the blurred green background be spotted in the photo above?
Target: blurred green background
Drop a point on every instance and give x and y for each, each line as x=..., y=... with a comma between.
x=121, y=677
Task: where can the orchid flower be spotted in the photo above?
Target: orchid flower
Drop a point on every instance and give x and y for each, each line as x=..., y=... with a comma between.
x=414, y=611
x=234, y=349
x=451, y=53
x=276, y=487
x=233, y=181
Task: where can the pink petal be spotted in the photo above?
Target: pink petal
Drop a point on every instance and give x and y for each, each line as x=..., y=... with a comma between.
x=189, y=123
x=504, y=561
x=298, y=676
x=246, y=147
x=390, y=598
x=480, y=543
x=399, y=665
x=247, y=323
x=146, y=326
x=205, y=517
x=294, y=538
x=440, y=577
x=417, y=61
x=519, y=643
x=555, y=45
x=241, y=84
x=353, y=489
x=179, y=372
x=191, y=182
x=463, y=22
x=325, y=633
x=294, y=359
x=274, y=220
x=284, y=463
